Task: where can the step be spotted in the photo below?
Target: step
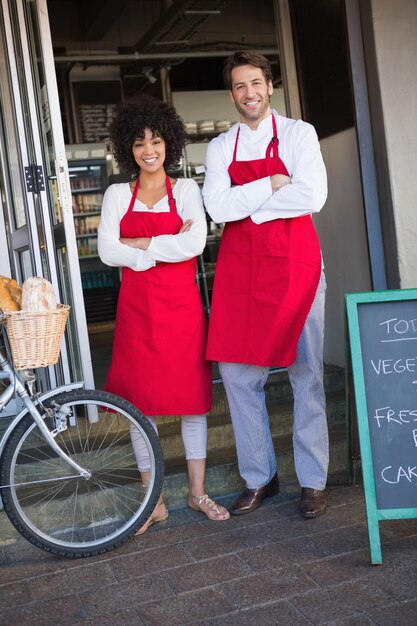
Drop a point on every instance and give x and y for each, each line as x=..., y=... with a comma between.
x=222, y=475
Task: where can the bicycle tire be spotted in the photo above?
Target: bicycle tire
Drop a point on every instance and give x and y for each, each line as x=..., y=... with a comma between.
x=58, y=510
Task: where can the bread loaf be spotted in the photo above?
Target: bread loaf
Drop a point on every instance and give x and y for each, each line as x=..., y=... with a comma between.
x=10, y=294
x=38, y=295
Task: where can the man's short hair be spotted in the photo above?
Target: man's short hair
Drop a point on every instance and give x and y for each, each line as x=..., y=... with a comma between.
x=245, y=57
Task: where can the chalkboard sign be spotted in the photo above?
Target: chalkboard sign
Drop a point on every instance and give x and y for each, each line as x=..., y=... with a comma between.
x=382, y=330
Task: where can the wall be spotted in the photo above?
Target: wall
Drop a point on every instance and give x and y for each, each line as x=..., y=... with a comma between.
x=342, y=232
x=395, y=33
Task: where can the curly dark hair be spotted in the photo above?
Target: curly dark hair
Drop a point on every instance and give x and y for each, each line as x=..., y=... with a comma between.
x=136, y=114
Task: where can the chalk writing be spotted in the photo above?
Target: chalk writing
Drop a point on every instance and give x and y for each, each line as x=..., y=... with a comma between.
x=393, y=476
x=388, y=331
x=394, y=366
x=404, y=416
x=397, y=327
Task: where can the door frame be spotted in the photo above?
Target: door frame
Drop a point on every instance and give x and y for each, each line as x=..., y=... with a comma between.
x=64, y=231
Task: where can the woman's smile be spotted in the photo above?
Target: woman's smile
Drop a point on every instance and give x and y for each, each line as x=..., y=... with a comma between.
x=149, y=151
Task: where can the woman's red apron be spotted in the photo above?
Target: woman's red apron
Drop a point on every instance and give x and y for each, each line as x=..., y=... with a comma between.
x=158, y=360
x=266, y=278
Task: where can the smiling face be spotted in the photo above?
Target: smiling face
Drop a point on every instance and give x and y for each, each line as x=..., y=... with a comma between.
x=251, y=93
x=149, y=152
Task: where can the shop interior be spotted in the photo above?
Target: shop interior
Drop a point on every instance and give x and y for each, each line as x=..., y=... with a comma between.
x=105, y=52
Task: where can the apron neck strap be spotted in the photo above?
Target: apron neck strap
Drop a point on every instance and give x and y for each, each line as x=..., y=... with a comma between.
x=171, y=199
x=272, y=149
x=134, y=194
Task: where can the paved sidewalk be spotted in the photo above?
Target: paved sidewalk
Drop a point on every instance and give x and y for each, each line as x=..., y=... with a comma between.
x=269, y=567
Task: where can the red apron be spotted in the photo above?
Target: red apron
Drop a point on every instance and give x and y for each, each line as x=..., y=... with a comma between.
x=266, y=278
x=158, y=360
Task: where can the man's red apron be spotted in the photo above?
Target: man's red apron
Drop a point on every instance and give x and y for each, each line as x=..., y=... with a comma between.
x=266, y=278
x=158, y=360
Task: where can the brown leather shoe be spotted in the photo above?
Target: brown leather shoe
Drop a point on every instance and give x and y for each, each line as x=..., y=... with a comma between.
x=251, y=499
x=312, y=502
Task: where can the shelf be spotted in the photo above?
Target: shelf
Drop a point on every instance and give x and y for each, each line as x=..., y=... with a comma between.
x=203, y=137
x=87, y=214
x=87, y=190
x=86, y=235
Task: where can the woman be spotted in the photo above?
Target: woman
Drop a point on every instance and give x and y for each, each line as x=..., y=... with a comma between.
x=154, y=227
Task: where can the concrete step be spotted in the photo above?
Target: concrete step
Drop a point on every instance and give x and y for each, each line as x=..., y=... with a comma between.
x=222, y=476
x=220, y=431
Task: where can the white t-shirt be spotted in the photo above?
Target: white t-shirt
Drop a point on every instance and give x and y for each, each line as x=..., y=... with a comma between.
x=168, y=248
x=299, y=149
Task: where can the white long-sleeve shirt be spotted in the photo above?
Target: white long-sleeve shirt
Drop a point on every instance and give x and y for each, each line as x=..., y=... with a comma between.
x=299, y=149
x=168, y=248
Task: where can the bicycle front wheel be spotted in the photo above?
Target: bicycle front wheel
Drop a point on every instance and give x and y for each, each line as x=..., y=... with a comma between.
x=54, y=507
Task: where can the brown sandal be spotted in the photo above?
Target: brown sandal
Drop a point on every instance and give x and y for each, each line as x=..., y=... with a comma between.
x=154, y=519
x=211, y=504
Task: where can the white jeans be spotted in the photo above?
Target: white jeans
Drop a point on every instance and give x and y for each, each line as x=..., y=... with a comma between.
x=194, y=437
x=244, y=386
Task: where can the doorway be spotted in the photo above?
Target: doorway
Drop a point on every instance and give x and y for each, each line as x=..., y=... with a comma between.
x=36, y=201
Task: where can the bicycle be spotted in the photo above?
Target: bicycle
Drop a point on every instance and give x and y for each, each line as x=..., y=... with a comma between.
x=69, y=480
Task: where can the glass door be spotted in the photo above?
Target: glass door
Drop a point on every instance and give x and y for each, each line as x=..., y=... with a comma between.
x=37, y=202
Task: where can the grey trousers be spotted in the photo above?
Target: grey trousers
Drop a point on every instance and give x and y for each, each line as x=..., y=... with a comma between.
x=244, y=386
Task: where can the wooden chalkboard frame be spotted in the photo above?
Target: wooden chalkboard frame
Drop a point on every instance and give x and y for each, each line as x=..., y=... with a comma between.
x=374, y=514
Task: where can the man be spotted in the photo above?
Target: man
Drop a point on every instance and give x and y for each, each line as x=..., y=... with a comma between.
x=264, y=179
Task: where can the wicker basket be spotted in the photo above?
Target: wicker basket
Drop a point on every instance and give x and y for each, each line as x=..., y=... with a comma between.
x=35, y=337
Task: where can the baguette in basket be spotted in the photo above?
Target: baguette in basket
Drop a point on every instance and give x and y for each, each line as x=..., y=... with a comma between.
x=10, y=295
x=36, y=331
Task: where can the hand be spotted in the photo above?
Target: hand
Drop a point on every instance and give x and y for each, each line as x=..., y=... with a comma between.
x=186, y=226
x=138, y=242
x=279, y=180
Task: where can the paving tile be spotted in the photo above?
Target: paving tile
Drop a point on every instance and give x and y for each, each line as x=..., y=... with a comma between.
x=206, y=573
x=358, y=620
x=189, y=608
x=404, y=613
x=251, y=535
x=121, y=618
x=266, y=586
x=3, y=558
x=21, y=571
x=346, y=494
x=345, y=514
x=68, y=610
x=24, y=553
x=400, y=527
x=269, y=567
x=281, y=613
x=340, y=540
x=341, y=601
x=401, y=584
x=129, y=594
x=283, y=553
x=23, y=560
x=71, y=581
x=342, y=568
x=401, y=553
x=148, y=562
x=14, y=594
